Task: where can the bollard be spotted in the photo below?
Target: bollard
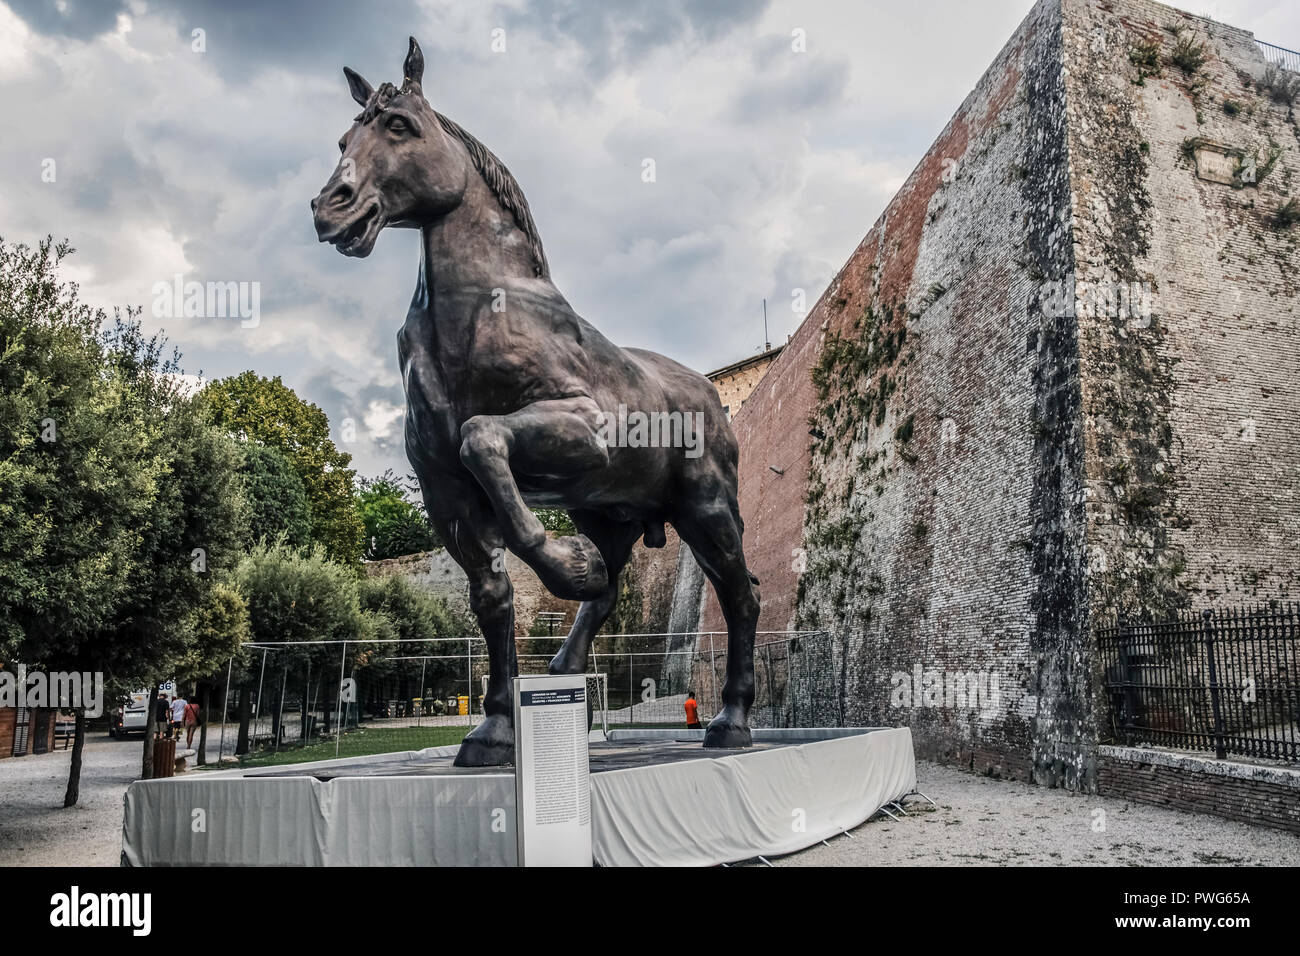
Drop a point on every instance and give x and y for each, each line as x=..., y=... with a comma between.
x=164, y=757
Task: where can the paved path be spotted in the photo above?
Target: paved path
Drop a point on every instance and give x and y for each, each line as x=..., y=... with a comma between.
x=980, y=821
x=985, y=822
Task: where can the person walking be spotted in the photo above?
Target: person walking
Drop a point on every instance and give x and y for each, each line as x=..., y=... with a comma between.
x=191, y=717
x=692, y=712
x=179, y=704
x=162, y=715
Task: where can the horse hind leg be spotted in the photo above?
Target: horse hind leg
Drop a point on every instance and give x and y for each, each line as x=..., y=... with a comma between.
x=713, y=532
x=615, y=541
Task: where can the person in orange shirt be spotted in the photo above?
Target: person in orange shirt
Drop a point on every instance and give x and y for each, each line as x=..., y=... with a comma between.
x=692, y=712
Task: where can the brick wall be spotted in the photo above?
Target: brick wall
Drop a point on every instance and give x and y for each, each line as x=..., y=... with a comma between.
x=735, y=382
x=990, y=473
x=1260, y=795
x=928, y=522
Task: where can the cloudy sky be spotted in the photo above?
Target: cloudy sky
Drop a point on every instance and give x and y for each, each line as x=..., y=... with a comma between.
x=160, y=151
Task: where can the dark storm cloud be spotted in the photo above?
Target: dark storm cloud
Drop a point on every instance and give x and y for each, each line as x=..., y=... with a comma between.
x=622, y=34
x=771, y=164
x=244, y=36
x=791, y=88
x=77, y=19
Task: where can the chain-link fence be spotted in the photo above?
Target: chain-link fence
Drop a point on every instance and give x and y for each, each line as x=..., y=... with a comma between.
x=314, y=700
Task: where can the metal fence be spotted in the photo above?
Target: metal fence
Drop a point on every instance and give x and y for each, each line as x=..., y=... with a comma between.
x=1287, y=59
x=1224, y=681
x=356, y=696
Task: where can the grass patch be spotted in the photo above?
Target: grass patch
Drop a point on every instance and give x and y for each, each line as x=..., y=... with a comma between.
x=360, y=743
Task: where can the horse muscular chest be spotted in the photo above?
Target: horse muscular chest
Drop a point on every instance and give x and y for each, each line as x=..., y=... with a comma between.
x=467, y=359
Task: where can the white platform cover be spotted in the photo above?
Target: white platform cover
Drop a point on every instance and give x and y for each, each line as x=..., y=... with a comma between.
x=688, y=813
x=705, y=812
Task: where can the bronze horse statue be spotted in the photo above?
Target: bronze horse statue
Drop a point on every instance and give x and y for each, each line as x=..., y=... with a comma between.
x=511, y=398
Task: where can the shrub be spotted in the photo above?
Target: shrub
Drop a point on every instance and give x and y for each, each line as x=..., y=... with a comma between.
x=1282, y=85
x=1188, y=55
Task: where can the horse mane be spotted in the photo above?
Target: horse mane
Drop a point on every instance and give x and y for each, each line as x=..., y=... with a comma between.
x=504, y=186
x=499, y=180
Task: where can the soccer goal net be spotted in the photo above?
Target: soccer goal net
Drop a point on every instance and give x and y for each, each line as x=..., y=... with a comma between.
x=597, y=699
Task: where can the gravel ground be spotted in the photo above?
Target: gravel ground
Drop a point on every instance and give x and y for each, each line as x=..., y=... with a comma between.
x=35, y=829
x=985, y=822
x=979, y=822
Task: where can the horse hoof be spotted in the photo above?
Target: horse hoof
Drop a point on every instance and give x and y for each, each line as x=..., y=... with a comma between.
x=568, y=661
x=725, y=733
x=491, y=744
x=572, y=568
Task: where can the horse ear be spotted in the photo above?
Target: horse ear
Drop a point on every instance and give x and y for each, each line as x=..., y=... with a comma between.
x=358, y=86
x=413, y=68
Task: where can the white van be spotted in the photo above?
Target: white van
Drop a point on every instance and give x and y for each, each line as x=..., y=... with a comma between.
x=132, y=715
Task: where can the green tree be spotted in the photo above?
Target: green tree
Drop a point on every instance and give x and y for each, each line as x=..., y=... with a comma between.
x=277, y=501
x=195, y=528
x=556, y=520
x=118, y=504
x=267, y=411
x=294, y=597
x=394, y=525
x=77, y=474
x=216, y=629
x=426, y=622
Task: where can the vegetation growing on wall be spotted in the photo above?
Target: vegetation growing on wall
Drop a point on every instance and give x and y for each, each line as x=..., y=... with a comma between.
x=857, y=376
x=1130, y=401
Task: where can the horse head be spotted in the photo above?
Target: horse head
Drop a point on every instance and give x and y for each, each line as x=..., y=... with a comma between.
x=398, y=166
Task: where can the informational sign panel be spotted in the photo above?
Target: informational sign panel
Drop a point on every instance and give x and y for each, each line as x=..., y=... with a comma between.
x=552, y=785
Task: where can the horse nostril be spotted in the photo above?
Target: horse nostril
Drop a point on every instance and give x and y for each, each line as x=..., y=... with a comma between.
x=341, y=196
x=314, y=203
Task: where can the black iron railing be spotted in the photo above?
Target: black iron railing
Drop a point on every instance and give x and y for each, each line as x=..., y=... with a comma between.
x=1287, y=59
x=1224, y=681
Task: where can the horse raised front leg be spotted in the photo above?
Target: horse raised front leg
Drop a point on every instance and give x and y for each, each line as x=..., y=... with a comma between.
x=556, y=439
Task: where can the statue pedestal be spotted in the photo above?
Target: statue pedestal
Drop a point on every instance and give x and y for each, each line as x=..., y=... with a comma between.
x=657, y=799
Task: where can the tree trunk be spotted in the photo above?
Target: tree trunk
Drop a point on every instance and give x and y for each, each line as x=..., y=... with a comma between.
x=202, y=757
x=150, y=727
x=74, y=773
x=245, y=714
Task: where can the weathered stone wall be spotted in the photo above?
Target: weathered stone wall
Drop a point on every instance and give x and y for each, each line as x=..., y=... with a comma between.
x=735, y=382
x=924, y=524
x=647, y=586
x=1193, y=451
x=1000, y=455
x=435, y=571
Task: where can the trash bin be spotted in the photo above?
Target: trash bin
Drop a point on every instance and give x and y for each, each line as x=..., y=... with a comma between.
x=164, y=757
x=462, y=705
